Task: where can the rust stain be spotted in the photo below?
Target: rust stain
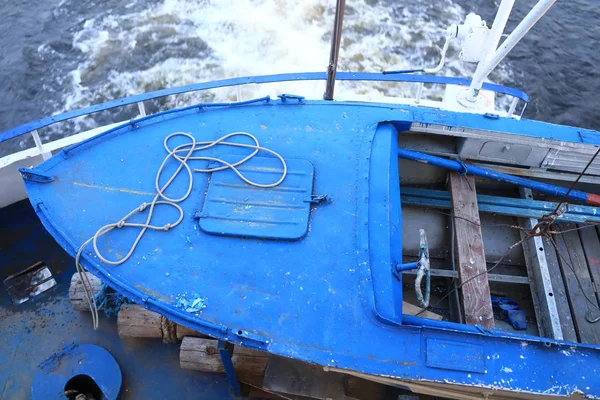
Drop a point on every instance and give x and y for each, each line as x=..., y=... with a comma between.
x=152, y=293
x=595, y=261
x=407, y=363
x=112, y=189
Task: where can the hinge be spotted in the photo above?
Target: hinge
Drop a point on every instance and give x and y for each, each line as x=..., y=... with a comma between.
x=316, y=199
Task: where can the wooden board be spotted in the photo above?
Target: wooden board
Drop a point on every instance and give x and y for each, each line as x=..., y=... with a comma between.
x=135, y=321
x=202, y=355
x=578, y=283
x=77, y=295
x=560, y=293
x=477, y=302
x=411, y=309
x=293, y=377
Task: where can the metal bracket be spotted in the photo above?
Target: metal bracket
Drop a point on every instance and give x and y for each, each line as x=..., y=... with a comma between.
x=285, y=97
x=226, y=352
x=35, y=175
x=316, y=198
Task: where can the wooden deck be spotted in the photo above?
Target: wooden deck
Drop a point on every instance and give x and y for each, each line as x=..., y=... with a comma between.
x=575, y=286
x=562, y=275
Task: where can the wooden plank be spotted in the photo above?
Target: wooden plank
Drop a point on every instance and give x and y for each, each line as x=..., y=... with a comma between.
x=591, y=247
x=560, y=293
x=77, y=295
x=411, y=309
x=293, y=377
x=542, y=291
x=578, y=283
x=477, y=303
x=202, y=355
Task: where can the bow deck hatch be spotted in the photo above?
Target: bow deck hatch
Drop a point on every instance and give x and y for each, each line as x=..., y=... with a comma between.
x=233, y=207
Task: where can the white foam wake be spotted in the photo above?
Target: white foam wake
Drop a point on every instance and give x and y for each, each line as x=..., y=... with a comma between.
x=179, y=42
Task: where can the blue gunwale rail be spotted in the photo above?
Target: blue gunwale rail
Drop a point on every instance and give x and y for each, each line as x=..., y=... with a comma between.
x=291, y=77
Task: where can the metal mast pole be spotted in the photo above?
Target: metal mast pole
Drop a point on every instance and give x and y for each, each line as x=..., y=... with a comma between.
x=336, y=39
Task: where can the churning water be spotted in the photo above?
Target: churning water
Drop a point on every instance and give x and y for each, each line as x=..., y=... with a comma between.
x=59, y=56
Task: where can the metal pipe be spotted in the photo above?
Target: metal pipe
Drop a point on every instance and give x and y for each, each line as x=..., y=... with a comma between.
x=498, y=26
x=459, y=166
x=486, y=66
x=336, y=39
x=407, y=266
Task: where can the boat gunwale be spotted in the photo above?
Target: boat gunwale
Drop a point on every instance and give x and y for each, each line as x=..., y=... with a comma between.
x=260, y=79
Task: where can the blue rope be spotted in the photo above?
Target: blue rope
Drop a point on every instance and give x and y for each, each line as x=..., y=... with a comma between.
x=109, y=302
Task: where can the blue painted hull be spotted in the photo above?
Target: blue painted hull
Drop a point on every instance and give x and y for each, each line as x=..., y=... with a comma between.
x=328, y=297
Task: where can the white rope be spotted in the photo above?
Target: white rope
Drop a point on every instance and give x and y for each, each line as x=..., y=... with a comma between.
x=182, y=153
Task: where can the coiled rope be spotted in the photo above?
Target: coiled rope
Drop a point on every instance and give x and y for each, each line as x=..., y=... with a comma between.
x=182, y=153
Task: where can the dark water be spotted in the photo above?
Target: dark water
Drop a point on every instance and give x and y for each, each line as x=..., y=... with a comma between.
x=50, y=64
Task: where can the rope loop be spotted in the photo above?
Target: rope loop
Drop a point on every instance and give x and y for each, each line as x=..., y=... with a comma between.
x=182, y=154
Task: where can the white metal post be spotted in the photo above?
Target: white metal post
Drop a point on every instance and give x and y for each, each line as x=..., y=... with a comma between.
x=486, y=66
x=38, y=143
x=495, y=33
x=141, y=108
x=419, y=93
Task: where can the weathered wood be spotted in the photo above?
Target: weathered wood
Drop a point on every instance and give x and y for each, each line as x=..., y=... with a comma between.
x=202, y=355
x=77, y=295
x=542, y=291
x=578, y=282
x=293, y=377
x=477, y=302
x=411, y=309
x=560, y=292
x=183, y=331
x=591, y=247
x=134, y=321
x=363, y=389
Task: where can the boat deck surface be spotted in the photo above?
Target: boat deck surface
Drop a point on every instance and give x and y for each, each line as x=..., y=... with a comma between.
x=34, y=330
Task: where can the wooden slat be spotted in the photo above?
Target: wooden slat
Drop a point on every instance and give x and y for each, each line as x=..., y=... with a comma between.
x=542, y=291
x=411, y=309
x=578, y=283
x=477, y=303
x=202, y=355
x=591, y=247
x=560, y=293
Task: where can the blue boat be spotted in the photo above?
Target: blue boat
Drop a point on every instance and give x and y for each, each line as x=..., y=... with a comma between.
x=295, y=227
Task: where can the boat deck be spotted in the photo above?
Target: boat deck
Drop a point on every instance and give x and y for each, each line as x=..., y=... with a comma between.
x=34, y=330
x=576, y=275
x=573, y=263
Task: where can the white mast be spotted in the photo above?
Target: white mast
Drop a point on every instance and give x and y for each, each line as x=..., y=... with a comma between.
x=495, y=56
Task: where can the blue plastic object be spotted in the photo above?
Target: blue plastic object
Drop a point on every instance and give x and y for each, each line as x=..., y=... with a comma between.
x=315, y=298
x=511, y=311
x=226, y=352
x=74, y=367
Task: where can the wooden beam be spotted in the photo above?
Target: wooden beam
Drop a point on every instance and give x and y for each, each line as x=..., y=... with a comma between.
x=538, y=270
x=477, y=303
x=559, y=293
x=202, y=355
